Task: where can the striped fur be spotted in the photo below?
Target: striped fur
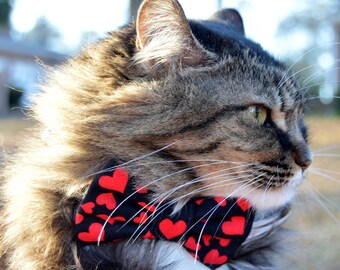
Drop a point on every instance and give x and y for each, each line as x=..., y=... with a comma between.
x=176, y=116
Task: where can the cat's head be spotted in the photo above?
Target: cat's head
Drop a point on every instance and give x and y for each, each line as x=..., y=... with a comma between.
x=223, y=99
x=211, y=99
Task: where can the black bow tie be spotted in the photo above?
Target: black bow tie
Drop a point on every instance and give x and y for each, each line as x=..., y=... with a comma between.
x=210, y=229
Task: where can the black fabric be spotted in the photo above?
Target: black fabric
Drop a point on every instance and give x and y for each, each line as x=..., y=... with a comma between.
x=210, y=229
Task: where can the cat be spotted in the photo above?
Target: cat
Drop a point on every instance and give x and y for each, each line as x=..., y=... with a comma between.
x=187, y=109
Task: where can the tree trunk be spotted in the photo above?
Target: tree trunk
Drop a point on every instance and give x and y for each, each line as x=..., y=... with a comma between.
x=134, y=5
x=4, y=97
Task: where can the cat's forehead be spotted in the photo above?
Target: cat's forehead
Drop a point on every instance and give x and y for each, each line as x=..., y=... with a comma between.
x=243, y=81
x=245, y=74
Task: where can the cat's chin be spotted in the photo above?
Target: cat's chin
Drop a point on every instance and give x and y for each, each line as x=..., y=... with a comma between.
x=270, y=199
x=274, y=197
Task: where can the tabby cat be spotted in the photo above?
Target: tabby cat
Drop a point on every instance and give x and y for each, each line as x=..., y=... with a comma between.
x=179, y=112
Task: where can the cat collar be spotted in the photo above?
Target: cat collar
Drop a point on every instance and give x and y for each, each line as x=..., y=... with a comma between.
x=210, y=229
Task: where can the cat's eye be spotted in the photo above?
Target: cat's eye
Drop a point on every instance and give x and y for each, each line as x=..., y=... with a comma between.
x=259, y=113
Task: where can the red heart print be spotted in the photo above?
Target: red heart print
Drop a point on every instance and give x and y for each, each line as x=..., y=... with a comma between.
x=116, y=182
x=213, y=257
x=235, y=226
x=93, y=233
x=199, y=201
x=223, y=241
x=106, y=199
x=206, y=239
x=170, y=229
x=142, y=190
x=111, y=220
x=243, y=204
x=148, y=235
x=191, y=244
x=143, y=216
x=79, y=218
x=221, y=201
x=88, y=207
x=150, y=207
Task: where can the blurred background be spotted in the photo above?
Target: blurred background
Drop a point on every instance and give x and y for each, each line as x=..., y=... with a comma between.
x=304, y=34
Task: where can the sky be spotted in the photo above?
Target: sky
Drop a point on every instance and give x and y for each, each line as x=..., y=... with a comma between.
x=74, y=17
x=81, y=20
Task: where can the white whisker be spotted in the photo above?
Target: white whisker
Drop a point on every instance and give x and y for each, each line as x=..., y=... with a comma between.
x=168, y=204
x=294, y=63
x=294, y=74
x=132, y=160
x=324, y=175
x=320, y=97
x=314, y=193
x=327, y=155
x=207, y=187
x=145, y=186
x=268, y=186
x=324, y=170
x=246, y=184
x=325, y=149
x=301, y=57
x=199, y=179
x=307, y=88
x=317, y=73
x=205, y=224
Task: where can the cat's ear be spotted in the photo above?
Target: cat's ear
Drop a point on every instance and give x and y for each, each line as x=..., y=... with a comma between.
x=164, y=37
x=231, y=18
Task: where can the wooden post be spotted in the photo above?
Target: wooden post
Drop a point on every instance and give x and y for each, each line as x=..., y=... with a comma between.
x=134, y=5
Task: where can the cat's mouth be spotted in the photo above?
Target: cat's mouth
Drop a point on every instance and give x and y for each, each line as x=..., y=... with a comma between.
x=273, y=182
x=276, y=180
x=268, y=189
x=273, y=193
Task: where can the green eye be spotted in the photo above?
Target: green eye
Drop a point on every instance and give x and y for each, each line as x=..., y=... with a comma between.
x=259, y=113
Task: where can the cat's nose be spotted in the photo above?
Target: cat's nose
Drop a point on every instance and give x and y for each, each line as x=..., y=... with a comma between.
x=304, y=163
x=303, y=157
